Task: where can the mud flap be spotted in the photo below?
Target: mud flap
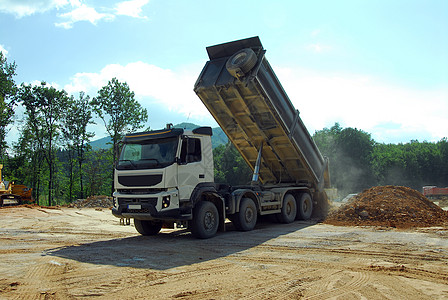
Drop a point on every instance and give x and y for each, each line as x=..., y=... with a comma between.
x=322, y=206
x=222, y=217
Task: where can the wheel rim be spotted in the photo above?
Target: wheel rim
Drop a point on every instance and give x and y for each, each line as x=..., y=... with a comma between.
x=288, y=208
x=306, y=206
x=249, y=215
x=209, y=220
x=239, y=58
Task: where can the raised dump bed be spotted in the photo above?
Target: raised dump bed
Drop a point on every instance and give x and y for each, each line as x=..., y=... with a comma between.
x=242, y=92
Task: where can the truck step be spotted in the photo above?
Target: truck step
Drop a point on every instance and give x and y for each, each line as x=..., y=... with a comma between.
x=270, y=212
x=269, y=203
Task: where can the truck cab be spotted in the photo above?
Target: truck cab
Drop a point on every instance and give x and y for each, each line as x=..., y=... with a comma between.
x=158, y=172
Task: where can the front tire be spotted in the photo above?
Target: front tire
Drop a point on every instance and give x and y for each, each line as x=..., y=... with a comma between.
x=145, y=227
x=246, y=218
x=205, y=220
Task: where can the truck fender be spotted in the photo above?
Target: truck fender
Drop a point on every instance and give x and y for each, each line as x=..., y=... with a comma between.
x=239, y=194
x=290, y=190
x=208, y=192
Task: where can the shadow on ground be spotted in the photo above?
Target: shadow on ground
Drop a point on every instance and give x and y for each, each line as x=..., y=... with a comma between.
x=171, y=249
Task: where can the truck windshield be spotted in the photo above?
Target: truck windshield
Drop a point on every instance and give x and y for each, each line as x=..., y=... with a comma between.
x=150, y=154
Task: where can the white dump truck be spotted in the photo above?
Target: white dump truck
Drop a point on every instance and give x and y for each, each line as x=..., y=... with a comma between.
x=165, y=177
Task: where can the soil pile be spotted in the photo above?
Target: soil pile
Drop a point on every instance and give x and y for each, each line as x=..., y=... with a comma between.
x=391, y=206
x=93, y=201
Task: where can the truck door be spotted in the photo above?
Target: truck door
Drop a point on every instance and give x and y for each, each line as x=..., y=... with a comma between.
x=191, y=169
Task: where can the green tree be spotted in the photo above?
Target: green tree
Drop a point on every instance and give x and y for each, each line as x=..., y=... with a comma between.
x=120, y=112
x=7, y=91
x=75, y=119
x=350, y=152
x=230, y=167
x=414, y=164
x=98, y=181
x=44, y=106
x=27, y=163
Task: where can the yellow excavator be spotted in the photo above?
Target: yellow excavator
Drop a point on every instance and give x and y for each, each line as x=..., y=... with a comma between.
x=13, y=194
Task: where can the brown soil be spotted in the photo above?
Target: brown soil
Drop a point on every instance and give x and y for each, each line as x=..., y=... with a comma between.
x=93, y=201
x=390, y=206
x=84, y=253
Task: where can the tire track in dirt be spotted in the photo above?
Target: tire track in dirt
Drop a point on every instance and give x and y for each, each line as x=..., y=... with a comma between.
x=283, y=288
x=278, y=263
x=123, y=280
x=360, y=252
x=360, y=279
x=39, y=281
x=416, y=273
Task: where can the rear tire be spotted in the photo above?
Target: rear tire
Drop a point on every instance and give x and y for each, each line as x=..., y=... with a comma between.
x=289, y=209
x=246, y=218
x=205, y=220
x=145, y=227
x=305, y=207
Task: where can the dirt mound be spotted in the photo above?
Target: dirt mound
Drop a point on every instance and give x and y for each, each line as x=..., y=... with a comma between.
x=93, y=201
x=391, y=206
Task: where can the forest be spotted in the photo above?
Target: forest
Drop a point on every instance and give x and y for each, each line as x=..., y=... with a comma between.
x=53, y=155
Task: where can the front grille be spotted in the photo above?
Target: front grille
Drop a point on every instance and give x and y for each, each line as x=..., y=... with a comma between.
x=125, y=201
x=140, y=191
x=140, y=180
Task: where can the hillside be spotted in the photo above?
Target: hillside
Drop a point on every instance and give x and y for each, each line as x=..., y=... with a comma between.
x=218, y=137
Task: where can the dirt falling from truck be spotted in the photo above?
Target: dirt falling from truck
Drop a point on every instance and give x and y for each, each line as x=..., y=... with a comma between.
x=389, y=206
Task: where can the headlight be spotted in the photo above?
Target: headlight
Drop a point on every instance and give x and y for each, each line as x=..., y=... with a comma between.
x=165, y=201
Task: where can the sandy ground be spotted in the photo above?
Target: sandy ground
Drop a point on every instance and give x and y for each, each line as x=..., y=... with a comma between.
x=71, y=253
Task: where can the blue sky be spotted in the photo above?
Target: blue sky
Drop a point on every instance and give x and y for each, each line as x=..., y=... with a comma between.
x=380, y=66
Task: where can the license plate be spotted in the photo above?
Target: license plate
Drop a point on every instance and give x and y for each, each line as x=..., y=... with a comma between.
x=134, y=206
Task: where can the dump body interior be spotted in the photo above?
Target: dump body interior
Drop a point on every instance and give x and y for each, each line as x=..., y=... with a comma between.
x=255, y=110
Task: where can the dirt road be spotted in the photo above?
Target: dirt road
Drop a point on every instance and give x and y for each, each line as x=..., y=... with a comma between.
x=71, y=253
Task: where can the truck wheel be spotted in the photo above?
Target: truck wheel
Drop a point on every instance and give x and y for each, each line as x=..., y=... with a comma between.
x=304, y=207
x=241, y=62
x=289, y=209
x=145, y=227
x=205, y=220
x=246, y=219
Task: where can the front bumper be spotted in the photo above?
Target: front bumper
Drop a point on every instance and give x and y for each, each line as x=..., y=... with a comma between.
x=170, y=215
x=161, y=206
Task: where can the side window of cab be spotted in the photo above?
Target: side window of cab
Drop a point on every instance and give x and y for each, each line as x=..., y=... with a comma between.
x=191, y=150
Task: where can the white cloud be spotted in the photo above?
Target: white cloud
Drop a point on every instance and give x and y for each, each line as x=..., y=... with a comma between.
x=314, y=33
x=22, y=8
x=3, y=50
x=153, y=86
x=82, y=12
x=72, y=11
x=319, y=48
x=390, y=113
x=131, y=8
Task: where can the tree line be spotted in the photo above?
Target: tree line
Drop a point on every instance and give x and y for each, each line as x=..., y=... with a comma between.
x=358, y=162
x=52, y=155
